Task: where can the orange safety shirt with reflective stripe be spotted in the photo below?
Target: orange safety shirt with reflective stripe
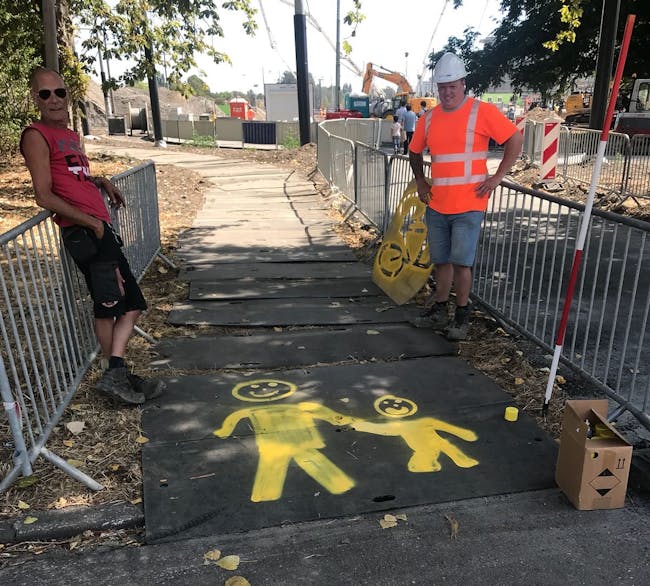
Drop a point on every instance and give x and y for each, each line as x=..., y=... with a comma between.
x=458, y=141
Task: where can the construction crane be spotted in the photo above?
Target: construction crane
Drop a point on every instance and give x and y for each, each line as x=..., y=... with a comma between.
x=430, y=45
x=345, y=59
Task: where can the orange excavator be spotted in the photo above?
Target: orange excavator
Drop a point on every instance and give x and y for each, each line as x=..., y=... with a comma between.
x=384, y=108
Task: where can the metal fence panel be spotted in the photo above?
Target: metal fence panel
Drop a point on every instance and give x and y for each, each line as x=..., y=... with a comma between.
x=47, y=339
x=342, y=166
x=521, y=272
x=370, y=190
x=637, y=179
x=525, y=254
x=579, y=156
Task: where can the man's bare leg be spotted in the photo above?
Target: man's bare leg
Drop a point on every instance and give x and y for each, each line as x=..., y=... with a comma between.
x=444, y=278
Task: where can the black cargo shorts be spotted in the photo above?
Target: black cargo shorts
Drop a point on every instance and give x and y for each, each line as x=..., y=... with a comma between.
x=111, y=283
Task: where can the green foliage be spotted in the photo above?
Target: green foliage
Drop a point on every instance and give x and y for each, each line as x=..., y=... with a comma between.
x=290, y=141
x=570, y=15
x=352, y=18
x=153, y=32
x=18, y=44
x=287, y=77
x=546, y=45
x=199, y=140
x=198, y=86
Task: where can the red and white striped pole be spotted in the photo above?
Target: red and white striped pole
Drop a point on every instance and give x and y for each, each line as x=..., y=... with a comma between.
x=550, y=143
x=584, y=224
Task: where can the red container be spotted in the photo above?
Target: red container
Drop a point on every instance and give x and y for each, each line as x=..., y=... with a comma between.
x=342, y=114
x=239, y=108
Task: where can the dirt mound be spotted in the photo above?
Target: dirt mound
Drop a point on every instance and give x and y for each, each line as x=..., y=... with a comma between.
x=135, y=97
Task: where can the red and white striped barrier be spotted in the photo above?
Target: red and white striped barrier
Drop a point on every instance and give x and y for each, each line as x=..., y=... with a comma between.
x=520, y=123
x=550, y=145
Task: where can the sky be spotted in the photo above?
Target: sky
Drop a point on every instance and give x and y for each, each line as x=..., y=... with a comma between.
x=383, y=38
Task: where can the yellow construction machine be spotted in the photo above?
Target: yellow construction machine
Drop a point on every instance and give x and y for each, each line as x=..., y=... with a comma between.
x=385, y=108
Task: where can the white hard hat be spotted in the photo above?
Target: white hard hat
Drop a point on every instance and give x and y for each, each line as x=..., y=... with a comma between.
x=449, y=68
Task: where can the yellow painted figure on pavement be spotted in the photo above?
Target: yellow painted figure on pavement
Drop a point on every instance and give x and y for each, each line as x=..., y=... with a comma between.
x=284, y=433
x=421, y=434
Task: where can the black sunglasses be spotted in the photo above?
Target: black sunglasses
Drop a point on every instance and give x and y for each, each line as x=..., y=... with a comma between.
x=59, y=92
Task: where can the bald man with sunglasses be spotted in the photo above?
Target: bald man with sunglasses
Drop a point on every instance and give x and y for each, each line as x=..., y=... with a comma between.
x=63, y=184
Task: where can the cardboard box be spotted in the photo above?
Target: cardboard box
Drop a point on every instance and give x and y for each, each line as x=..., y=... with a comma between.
x=593, y=464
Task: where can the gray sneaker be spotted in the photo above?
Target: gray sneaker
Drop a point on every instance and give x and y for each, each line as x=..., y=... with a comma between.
x=115, y=384
x=149, y=387
x=436, y=317
x=457, y=330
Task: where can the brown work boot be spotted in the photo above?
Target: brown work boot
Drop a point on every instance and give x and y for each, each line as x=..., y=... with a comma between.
x=115, y=384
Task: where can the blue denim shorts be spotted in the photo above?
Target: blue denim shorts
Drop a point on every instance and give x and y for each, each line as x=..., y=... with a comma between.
x=453, y=238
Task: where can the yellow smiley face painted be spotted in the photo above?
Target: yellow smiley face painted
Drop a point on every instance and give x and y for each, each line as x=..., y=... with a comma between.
x=396, y=407
x=264, y=390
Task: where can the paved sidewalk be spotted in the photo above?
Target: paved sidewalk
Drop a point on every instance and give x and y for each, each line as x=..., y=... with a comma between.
x=533, y=536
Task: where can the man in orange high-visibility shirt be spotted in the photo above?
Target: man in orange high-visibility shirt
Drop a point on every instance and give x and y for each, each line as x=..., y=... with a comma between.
x=457, y=133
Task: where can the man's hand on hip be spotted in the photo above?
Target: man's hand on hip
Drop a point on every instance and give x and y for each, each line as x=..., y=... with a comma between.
x=485, y=188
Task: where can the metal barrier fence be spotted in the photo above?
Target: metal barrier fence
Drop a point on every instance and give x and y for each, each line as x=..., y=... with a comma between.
x=625, y=172
x=47, y=327
x=521, y=271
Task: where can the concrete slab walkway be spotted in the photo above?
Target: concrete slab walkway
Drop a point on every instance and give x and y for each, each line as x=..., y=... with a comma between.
x=533, y=537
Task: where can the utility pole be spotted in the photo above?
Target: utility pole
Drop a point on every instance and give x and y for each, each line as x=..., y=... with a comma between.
x=153, y=97
x=51, y=45
x=604, y=62
x=49, y=26
x=107, y=102
x=110, y=78
x=302, y=72
x=337, y=83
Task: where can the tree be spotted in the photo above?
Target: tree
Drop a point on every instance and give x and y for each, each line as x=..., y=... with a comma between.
x=528, y=46
x=352, y=18
x=173, y=31
x=198, y=86
x=19, y=44
x=287, y=77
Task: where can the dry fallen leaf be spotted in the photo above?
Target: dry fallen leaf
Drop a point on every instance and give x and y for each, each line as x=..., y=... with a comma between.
x=559, y=379
x=372, y=332
x=519, y=381
x=75, y=463
x=136, y=501
x=237, y=581
x=29, y=520
x=230, y=562
x=68, y=443
x=401, y=517
x=75, y=427
x=213, y=555
x=453, y=527
x=142, y=440
x=23, y=505
x=388, y=521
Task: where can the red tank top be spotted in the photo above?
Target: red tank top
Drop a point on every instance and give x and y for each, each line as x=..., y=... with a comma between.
x=70, y=173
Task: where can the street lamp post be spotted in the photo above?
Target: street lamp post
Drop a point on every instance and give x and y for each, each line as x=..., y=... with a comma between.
x=302, y=72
